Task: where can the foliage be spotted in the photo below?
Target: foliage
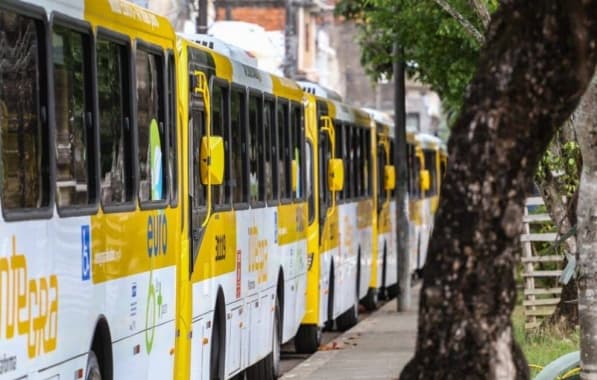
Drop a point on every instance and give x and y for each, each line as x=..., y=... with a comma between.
x=563, y=165
x=437, y=49
x=542, y=346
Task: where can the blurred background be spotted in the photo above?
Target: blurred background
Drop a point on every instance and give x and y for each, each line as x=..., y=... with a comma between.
x=303, y=40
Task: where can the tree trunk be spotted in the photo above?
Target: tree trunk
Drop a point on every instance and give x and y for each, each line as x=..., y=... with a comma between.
x=586, y=129
x=563, y=215
x=537, y=62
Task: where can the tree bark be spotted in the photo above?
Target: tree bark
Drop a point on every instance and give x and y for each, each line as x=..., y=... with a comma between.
x=537, y=62
x=586, y=129
x=562, y=210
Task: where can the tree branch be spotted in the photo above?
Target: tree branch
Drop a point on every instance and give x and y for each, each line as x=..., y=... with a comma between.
x=466, y=24
x=482, y=11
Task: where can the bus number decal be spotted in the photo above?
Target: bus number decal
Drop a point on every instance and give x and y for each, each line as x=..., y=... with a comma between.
x=220, y=247
x=31, y=305
x=157, y=235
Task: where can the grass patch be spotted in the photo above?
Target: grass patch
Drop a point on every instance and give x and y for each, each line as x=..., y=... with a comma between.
x=543, y=345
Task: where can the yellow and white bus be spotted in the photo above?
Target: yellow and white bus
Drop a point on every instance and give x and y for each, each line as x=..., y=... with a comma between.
x=424, y=185
x=247, y=235
x=341, y=217
x=384, y=279
x=152, y=196
x=91, y=212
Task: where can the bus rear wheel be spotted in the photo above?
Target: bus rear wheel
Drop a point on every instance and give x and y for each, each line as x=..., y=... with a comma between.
x=93, y=370
x=307, y=339
x=370, y=300
x=348, y=319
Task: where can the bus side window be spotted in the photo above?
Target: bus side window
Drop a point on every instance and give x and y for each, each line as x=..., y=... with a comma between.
x=256, y=150
x=381, y=162
x=172, y=129
x=197, y=130
x=271, y=161
x=116, y=147
x=152, y=147
x=366, y=159
x=348, y=163
x=309, y=185
x=238, y=143
x=284, y=138
x=298, y=132
x=431, y=166
x=24, y=139
x=221, y=194
x=73, y=105
x=357, y=146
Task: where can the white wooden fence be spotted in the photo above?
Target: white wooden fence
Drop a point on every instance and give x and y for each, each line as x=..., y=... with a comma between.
x=539, y=301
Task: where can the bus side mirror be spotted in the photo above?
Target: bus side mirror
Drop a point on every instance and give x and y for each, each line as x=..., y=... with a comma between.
x=389, y=177
x=424, y=179
x=335, y=174
x=294, y=175
x=212, y=160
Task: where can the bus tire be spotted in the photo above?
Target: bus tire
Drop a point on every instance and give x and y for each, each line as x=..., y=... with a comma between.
x=93, y=371
x=370, y=300
x=392, y=291
x=307, y=339
x=216, y=358
x=329, y=324
x=349, y=318
x=276, y=342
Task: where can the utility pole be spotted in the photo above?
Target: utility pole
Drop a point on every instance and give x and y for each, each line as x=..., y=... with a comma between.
x=290, y=41
x=202, y=17
x=404, y=296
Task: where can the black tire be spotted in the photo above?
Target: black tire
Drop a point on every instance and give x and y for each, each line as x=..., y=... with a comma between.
x=329, y=324
x=383, y=294
x=307, y=339
x=276, y=343
x=370, y=300
x=392, y=291
x=268, y=368
x=348, y=319
x=93, y=371
x=216, y=364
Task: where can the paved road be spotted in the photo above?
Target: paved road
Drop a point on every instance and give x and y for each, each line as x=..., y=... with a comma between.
x=289, y=357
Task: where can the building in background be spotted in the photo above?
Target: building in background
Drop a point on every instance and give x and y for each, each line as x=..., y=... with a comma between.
x=302, y=40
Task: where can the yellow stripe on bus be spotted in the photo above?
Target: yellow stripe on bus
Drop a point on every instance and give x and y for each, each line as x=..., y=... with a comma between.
x=123, y=244
x=292, y=223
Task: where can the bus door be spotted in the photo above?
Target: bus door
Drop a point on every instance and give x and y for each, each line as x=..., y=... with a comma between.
x=331, y=169
x=325, y=154
x=206, y=159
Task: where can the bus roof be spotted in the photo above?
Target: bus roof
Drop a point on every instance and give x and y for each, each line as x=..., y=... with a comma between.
x=428, y=141
x=243, y=72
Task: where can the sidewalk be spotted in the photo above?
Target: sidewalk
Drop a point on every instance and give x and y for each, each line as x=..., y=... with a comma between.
x=377, y=348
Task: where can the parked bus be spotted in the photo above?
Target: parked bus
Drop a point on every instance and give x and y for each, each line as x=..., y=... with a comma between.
x=154, y=215
x=170, y=212
x=247, y=231
x=384, y=279
x=91, y=208
x=341, y=217
x=424, y=185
